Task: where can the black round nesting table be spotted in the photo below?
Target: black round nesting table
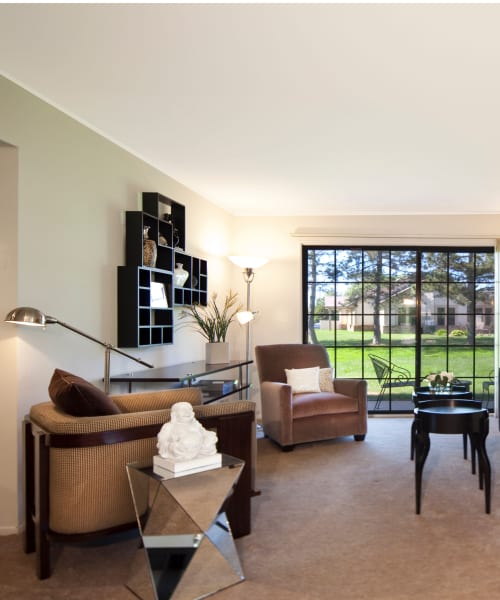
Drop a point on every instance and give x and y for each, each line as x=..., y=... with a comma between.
x=425, y=393
x=422, y=395
x=459, y=416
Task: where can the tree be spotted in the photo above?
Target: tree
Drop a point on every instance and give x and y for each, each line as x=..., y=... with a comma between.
x=377, y=268
x=312, y=270
x=377, y=333
x=454, y=276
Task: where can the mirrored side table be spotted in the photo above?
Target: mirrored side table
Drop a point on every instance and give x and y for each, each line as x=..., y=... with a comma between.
x=188, y=549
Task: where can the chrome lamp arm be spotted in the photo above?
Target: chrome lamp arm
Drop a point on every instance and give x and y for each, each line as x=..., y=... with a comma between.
x=26, y=315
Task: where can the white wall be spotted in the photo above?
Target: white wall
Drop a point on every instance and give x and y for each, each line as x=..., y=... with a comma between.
x=10, y=417
x=73, y=188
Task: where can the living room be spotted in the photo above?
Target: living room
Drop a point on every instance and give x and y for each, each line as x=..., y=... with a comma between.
x=65, y=189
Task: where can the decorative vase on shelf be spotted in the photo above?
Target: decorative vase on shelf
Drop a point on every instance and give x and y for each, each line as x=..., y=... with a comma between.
x=150, y=250
x=217, y=353
x=180, y=275
x=175, y=232
x=175, y=235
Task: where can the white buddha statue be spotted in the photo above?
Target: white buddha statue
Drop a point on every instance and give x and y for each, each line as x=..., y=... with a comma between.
x=183, y=437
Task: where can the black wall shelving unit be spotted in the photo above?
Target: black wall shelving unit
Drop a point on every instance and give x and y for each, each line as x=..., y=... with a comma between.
x=139, y=322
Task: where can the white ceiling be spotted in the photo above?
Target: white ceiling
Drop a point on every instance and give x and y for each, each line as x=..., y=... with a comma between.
x=284, y=109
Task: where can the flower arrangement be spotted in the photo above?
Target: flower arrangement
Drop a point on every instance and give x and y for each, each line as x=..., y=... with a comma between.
x=211, y=321
x=442, y=379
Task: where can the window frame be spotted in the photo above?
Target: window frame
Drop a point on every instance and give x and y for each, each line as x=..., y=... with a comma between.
x=451, y=255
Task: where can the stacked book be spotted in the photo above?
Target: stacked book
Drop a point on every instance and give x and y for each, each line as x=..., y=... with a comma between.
x=214, y=388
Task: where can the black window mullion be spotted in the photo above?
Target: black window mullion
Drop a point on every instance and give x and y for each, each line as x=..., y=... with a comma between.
x=418, y=320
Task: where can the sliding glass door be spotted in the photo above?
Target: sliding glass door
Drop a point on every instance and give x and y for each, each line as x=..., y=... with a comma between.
x=394, y=315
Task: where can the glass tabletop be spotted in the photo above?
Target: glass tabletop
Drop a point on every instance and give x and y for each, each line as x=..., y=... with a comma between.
x=428, y=393
x=447, y=409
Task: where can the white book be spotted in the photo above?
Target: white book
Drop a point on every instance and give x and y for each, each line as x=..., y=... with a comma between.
x=179, y=466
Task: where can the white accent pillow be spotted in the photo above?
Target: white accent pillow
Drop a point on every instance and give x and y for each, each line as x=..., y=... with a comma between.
x=326, y=377
x=303, y=380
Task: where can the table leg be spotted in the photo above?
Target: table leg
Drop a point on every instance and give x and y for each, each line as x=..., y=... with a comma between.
x=422, y=445
x=473, y=445
x=412, y=440
x=484, y=469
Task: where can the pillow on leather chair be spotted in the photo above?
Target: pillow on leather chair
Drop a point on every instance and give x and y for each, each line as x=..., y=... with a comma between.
x=79, y=398
x=310, y=380
x=303, y=380
x=326, y=377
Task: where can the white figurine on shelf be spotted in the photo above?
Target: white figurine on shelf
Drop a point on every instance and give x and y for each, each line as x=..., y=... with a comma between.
x=183, y=437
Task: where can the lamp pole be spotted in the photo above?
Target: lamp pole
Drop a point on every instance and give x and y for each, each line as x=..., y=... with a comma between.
x=248, y=276
x=248, y=264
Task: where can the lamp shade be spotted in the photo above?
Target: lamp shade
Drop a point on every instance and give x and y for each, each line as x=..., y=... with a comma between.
x=26, y=315
x=249, y=262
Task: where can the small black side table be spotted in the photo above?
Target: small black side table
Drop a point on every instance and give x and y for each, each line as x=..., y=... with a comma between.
x=442, y=417
x=421, y=395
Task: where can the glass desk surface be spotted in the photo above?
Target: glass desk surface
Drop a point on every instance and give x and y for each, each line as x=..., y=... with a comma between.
x=179, y=373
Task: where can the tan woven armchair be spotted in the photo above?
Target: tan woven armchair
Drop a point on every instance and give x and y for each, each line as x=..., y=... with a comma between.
x=75, y=478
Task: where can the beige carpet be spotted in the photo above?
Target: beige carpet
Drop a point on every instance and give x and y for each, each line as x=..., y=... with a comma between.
x=334, y=520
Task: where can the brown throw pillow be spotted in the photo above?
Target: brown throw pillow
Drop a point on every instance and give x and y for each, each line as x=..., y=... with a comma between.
x=78, y=397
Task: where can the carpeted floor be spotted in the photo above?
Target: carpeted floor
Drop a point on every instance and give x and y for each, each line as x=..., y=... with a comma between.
x=334, y=520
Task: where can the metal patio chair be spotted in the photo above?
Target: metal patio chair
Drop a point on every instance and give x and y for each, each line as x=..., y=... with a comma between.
x=389, y=375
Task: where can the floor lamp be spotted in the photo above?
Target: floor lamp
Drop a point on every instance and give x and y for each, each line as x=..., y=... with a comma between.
x=248, y=264
x=25, y=315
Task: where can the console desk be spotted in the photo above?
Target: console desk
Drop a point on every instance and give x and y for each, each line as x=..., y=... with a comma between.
x=188, y=374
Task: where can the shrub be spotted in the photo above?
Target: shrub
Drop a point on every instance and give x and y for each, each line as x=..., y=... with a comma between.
x=458, y=333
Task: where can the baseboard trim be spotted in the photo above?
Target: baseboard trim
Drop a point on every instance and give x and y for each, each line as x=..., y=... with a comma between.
x=11, y=530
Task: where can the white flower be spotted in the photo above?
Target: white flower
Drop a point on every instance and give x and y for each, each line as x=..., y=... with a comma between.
x=447, y=376
x=442, y=378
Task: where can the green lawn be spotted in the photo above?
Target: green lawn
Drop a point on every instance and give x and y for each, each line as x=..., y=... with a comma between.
x=348, y=349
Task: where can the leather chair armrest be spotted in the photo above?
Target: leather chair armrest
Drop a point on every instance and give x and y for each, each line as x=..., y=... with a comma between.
x=276, y=393
x=355, y=388
x=276, y=398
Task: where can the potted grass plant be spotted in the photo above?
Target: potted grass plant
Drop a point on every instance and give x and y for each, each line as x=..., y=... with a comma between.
x=213, y=322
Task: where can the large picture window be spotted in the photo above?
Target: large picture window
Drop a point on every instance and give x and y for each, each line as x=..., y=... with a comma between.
x=419, y=310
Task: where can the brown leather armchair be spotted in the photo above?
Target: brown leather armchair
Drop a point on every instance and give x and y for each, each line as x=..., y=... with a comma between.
x=76, y=483
x=289, y=418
